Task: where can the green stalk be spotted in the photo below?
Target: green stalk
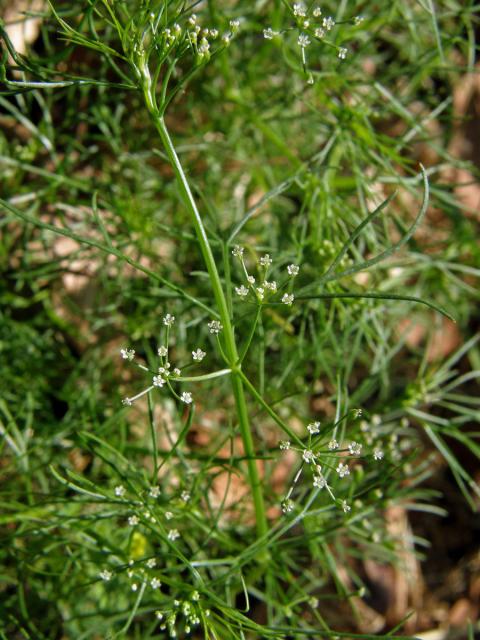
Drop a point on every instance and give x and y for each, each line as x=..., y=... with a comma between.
x=220, y=299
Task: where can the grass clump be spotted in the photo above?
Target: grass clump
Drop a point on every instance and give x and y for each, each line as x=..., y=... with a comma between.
x=214, y=251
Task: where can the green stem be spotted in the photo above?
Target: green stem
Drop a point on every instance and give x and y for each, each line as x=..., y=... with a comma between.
x=220, y=299
x=253, y=328
x=205, y=376
x=258, y=396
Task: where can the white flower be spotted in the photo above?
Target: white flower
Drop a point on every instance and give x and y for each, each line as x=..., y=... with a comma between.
x=127, y=354
x=269, y=33
x=186, y=397
x=204, y=47
x=287, y=506
x=164, y=371
x=378, y=454
x=293, y=270
x=214, y=33
x=173, y=534
x=168, y=320
x=155, y=583
x=120, y=491
x=284, y=445
x=288, y=299
x=168, y=515
x=234, y=25
x=346, y=507
x=260, y=293
x=343, y=470
x=319, y=32
x=151, y=563
x=317, y=12
x=328, y=22
x=158, y=381
x=319, y=482
x=162, y=351
x=342, y=53
x=303, y=40
x=133, y=521
x=198, y=355
x=154, y=491
x=134, y=586
x=177, y=372
x=299, y=10
x=332, y=445
x=185, y=496
x=308, y=456
x=272, y=286
x=250, y=280
x=313, y=428
x=106, y=575
x=226, y=39
x=241, y=291
x=265, y=261
x=215, y=326
x=237, y=251
x=355, y=448
x=358, y=20
x=193, y=19
x=127, y=402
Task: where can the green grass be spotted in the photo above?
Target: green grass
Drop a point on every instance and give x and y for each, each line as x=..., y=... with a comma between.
x=131, y=170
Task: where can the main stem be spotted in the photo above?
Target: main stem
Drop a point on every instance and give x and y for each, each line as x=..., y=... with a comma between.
x=228, y=331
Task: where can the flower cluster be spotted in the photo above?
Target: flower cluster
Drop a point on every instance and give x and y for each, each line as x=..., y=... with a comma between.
x=143, y=570
x=187, y=612
x=165, y=375
x=144, y=573
x=202, y=39
x=328, y=250
x=311, y=25
x=138, y=574
x=396, y=438
x=327, y=459
x=182, y=36
x=264, y=288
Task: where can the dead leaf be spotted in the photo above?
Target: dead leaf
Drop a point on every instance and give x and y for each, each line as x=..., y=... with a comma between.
x=23, y=30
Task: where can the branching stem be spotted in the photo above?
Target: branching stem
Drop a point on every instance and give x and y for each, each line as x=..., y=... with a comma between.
x=231, y=351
